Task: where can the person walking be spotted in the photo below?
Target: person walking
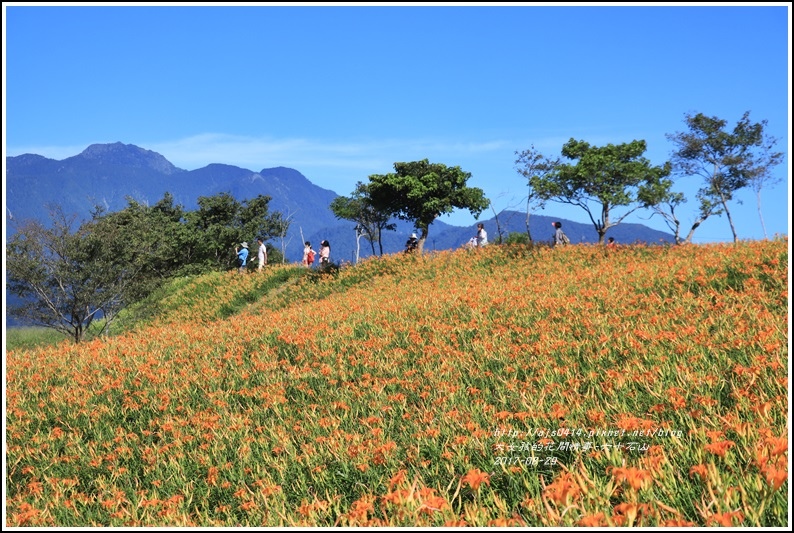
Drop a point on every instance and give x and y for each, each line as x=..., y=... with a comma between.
x=560, y=238
x=261, y=254
x=242, y=256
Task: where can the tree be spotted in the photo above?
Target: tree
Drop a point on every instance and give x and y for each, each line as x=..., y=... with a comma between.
x=256, y=221
x=221, y=222
x=369, y=221
x=534, y=165
x=281, y=228
x=67, y=279
x=757, y=183
x=761, y=162
x=420, y=192
x=726, y=161
x=153, y=236
x=670, y=201
x=610, y=176
x=516, y=237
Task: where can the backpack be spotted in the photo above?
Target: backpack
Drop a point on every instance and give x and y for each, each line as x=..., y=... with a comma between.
x=565, y=239
x=310, y=257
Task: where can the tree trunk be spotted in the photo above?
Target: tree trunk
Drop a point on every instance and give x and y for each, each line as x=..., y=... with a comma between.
x=422, y=238
x=758, y=201
x=730, y=219
x=529, y=235
x=677, y=233
x=498, y=227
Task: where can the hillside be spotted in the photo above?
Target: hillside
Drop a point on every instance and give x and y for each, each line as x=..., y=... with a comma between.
x=643, y=386
x=106, y=175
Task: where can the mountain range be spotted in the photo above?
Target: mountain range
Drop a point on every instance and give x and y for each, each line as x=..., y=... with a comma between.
x=106, y=174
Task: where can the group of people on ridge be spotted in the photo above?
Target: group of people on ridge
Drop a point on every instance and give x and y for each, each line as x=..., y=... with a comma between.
x=412, y=244
x=558, y=238
x=308, y=254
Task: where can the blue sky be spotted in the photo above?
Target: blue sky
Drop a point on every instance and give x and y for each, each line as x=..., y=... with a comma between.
x=340, y=92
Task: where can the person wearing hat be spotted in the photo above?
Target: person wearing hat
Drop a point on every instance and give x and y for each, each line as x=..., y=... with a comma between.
x=242, y=256
x=411, y=244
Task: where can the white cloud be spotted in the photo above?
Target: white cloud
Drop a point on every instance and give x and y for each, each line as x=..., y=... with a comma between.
x=262, y=152
x=336, y=165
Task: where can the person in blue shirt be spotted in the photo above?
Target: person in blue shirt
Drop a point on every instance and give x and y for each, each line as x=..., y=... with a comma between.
x=242, y=256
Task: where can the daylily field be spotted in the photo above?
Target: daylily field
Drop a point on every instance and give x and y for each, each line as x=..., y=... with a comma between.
x=507, y=386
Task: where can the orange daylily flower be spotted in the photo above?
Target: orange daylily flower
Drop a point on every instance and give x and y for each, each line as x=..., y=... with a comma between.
x=635, y=477
x=719, y=448
x=563, y=489
x=592, y=520
x=777, y=445
x=775, y=477
x=475, y=477
x=699, y=470
x=433, y=504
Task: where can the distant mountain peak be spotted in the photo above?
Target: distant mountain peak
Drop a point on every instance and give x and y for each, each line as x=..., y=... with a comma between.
x=128, y=155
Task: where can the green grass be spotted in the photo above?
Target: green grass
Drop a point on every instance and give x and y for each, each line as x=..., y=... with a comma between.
x=25, y=337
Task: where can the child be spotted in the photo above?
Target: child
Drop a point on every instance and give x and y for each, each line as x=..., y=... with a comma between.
x=308, y=254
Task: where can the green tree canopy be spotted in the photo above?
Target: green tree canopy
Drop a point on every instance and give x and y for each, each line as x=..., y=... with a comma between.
x=603, y=179
x=150, y=237
x=421, y=191
x=358, y=208
x=221, y=222
x=726, y=161
x=67, y=279
x=532, y=164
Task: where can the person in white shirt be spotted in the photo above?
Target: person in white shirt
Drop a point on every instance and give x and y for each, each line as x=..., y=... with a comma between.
x=482, y=235
x=308, y=255
x=262, y=254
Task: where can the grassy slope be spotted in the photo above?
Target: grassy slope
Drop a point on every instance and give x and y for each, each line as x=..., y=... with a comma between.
x=382, y=394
